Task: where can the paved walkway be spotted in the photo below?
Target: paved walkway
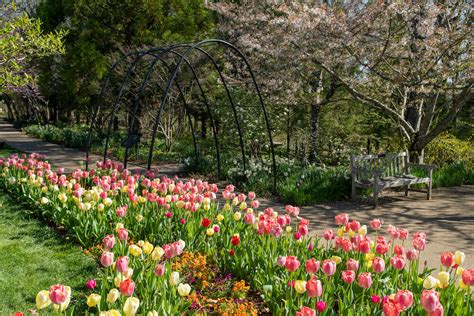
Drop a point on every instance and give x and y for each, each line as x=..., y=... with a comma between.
x=448, y=219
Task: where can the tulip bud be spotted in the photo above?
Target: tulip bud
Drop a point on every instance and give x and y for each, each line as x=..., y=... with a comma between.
x=131, y=306
x=174, y=278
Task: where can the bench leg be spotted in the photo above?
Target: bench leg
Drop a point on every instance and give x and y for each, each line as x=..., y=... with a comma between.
x=407, y=190
x=430, y=185
x=428, y=193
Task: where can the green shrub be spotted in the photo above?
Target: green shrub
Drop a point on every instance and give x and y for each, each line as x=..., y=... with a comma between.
x=446, y=149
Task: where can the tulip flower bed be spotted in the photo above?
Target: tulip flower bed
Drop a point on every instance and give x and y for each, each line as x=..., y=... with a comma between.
x=169, y=247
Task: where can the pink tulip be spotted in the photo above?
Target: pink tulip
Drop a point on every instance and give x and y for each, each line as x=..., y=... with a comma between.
x=381, y=248
x=123, y=234
x=329, y=267
x=91, y=284
x=378, y=265
x=412, y=254
x=398, y=250
x=314, y=287
x=159, y=270
x=354, y=226
x=321, y=306
x=352, y=264
x=404, y=298
x=447, y=259
x=108, y=241
x=348, y=276
x=398, y=262
x=107, y=259
x=376, y=224
x=342, y=219
x=430, y=300
x=328, y=234
x=375, y=299
x=419, y=243
x=281, y=261
x=122, y=264
x=439, y=311
x=312, y=265
x=391, y=307
x=303, y=229
x=252, y=195
x=346, y=244
x=249, y=219
x=292, y=264
x=364, y=246
x=306, y=311
x=58, y=294
x=365, y=280
x=403, y=234
x=121, y=211
x=468, y=277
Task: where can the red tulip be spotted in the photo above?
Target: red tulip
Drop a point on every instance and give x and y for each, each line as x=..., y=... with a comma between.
x=348, y=276
x=312, y=266
x=205, y=222
x=447, y=259
x=127, y=287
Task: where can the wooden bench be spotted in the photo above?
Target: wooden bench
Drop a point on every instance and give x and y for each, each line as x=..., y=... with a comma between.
x=387, y=171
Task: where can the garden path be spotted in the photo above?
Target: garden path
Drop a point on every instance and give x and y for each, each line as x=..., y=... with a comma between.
x=447, y=219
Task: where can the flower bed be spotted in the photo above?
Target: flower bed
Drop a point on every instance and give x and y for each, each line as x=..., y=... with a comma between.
x=155, y=238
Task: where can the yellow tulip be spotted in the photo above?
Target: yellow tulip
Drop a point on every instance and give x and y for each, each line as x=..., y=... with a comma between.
x=44, y=189
x=430, y=282
x=44, y=200
x=62, y=197
x=363, y=230
x=249, y=210
x=184, y=289
x=157, y=253
x=462, y=285
x=369, y=256
x=459, y=270
x=459, y=257
x=139, y=218
x=113, y=295
x=443, y=278
x=111, y=312
x=93, y=300
x=42, y=299
x=220, y=218
x=226, y=207
x=237, y=216
x=152, y=313
x=300, y=286
x=288, y=229
x=174, y=278
x=135, y=250
x=131, y=306
x=100, y=207
x=243, y=206
x=210, y=231
x=108, y=201
x=336, y=259
x=140, y=243
x=128, y=274
x=340, y=232
x=206, y=201
x=206, y=207
x=147, y=248
x=351, y=233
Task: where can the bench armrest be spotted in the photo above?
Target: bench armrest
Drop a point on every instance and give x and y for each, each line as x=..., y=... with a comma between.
x=427, y=167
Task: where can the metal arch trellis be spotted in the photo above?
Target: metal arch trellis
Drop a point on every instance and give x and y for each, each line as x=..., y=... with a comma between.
x=159, y=54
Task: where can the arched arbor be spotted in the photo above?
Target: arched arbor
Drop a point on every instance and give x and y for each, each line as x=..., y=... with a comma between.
x=211, y=79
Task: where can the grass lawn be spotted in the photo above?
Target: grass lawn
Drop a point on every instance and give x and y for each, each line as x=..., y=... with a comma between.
x=34, y=257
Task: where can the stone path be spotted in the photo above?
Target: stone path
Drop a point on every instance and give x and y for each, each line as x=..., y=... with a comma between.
x=448, y=219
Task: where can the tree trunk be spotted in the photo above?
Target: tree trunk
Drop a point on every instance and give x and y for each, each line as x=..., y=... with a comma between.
x=314, y=123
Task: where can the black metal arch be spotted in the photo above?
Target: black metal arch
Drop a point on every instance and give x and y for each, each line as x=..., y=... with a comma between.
x=159, y=54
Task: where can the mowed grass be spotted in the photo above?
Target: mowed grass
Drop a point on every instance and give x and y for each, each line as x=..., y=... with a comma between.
x=33, y=256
